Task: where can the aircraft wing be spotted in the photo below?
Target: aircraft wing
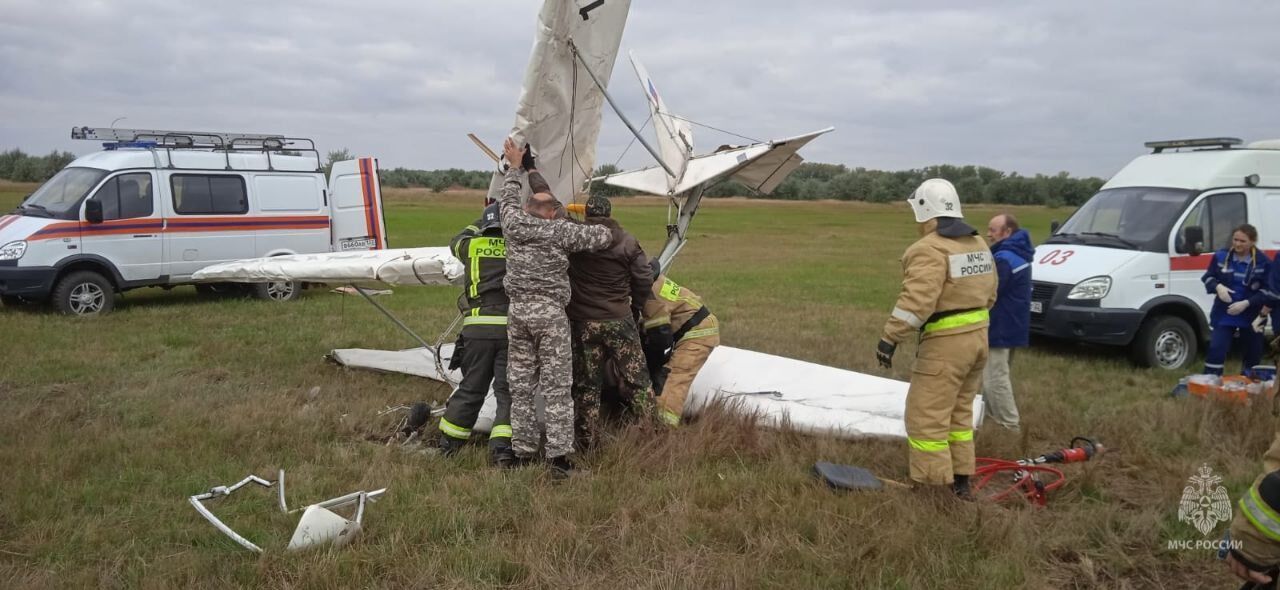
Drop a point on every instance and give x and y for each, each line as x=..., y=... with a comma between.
x=559, y=111
x=761, y=166
x=406, y=266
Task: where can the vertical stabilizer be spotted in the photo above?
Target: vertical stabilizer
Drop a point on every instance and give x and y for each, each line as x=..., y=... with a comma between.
x=675, y=138
x=559, y=112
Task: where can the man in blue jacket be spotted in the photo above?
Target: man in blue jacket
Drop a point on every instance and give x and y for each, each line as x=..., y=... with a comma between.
x=1010, y=317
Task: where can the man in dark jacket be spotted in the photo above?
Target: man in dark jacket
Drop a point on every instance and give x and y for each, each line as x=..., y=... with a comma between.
x=482, y=350
x=1010, y=317
x=609, y=288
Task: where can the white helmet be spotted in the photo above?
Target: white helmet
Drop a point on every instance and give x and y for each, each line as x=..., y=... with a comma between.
x=935, y=198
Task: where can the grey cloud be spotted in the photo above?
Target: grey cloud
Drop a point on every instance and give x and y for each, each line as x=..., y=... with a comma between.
x=1032, y=87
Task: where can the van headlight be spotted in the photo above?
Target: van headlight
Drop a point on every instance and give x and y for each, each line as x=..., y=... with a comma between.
x=1094, y=288
x=13, y=250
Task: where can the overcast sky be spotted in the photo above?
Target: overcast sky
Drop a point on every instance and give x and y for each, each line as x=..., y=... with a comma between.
x=1026, y=86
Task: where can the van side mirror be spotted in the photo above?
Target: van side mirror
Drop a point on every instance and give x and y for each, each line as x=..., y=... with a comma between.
x=93, y=211
x=1054, y=226
x=1193, y=239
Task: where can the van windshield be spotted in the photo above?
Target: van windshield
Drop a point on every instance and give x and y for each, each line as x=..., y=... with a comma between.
x=60, y=196
x=1130, y=218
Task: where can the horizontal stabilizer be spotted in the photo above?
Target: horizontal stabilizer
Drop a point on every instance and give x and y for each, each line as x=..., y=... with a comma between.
x=762, y=167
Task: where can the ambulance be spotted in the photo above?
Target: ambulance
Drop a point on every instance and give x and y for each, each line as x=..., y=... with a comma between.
x=1125, y=268
x=155, y=206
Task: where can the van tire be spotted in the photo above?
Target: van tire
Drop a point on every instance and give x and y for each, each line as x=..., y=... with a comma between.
x=84, y=293
x=277, y=291
x=1165, y=342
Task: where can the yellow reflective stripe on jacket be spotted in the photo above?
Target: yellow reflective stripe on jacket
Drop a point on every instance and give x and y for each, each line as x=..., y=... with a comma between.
x=712, y=331
x=670, y=417
x=657, y=321
x=484, y=320
x=1260, y=514
x=928, y=446
x=958, y=320
x=453, y=430
x=500, y=431
x=960, y=436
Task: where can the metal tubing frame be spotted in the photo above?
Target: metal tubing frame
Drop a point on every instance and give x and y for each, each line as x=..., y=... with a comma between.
x=608, y=97
x=391, y=317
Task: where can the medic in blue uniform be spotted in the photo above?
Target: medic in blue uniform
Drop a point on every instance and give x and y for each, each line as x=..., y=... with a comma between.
x=1237, y=277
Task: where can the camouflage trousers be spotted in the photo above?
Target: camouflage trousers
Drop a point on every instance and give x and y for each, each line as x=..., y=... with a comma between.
x=596, y=345
x=539, y=362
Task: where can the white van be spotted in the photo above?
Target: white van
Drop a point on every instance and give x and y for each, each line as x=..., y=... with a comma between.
x=156, y=206
x=1125, y=268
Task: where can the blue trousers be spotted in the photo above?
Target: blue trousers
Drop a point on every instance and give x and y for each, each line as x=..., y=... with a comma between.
x=1220, y=345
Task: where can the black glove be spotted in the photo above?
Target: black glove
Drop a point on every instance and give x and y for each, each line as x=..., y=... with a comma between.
x=527, y=163
x=659, y=379
x=655, y=343
x=884, y=353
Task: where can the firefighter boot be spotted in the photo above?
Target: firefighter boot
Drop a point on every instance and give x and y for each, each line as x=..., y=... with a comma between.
x=448, y=446
x=961, y=488
x=502, y=457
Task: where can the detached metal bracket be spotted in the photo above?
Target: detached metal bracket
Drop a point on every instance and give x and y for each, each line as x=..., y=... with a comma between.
x=358, y=498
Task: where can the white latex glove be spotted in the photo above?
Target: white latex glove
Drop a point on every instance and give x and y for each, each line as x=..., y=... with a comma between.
x=1260, y=324
x=1224, y=294
x=1237, y=308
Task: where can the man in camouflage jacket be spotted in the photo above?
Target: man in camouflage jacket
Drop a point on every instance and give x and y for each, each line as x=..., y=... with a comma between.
x=539, y=357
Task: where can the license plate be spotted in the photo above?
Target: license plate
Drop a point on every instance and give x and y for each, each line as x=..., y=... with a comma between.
x=1037, y=307
x=356, y=244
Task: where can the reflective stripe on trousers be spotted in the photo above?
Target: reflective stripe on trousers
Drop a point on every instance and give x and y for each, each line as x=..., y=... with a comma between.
x=453, y=430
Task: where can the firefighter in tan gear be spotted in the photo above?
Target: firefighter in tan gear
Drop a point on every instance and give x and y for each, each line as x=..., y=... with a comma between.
x=948, y=286
x=679, y=335
x=1255, y=529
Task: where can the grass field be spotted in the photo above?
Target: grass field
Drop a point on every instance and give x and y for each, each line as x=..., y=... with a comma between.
x=110, y=423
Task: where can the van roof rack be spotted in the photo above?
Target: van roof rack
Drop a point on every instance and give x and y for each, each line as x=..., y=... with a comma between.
x=116, y=138
x=1202, y=142
x=179, y=139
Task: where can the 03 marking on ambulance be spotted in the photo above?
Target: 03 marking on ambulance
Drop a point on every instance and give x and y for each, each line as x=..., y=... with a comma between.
x=971, y=264
x=1205, y=501
x=1057, y=257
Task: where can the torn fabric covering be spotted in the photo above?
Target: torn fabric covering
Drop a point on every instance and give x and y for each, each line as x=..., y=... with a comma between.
x=559, y=112
x=782, y=392
x=409, y=266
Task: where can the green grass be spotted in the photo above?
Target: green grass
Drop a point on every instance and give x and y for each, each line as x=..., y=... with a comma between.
x=110, y=423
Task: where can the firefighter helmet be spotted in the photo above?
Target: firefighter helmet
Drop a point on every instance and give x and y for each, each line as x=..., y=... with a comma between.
x=935, y=198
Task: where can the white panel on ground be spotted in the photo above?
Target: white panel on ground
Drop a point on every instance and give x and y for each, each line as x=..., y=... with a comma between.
x=782, y=392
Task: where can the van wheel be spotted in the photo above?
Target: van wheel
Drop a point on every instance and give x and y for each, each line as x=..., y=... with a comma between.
x=278, y=291
x=1165, y=342
x=84, y=293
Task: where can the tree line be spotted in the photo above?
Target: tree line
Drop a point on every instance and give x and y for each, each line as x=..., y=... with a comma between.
x=810, y=181
x=18, y=166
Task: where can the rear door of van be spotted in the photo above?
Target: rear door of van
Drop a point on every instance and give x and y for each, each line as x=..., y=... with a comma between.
x=357, y=213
